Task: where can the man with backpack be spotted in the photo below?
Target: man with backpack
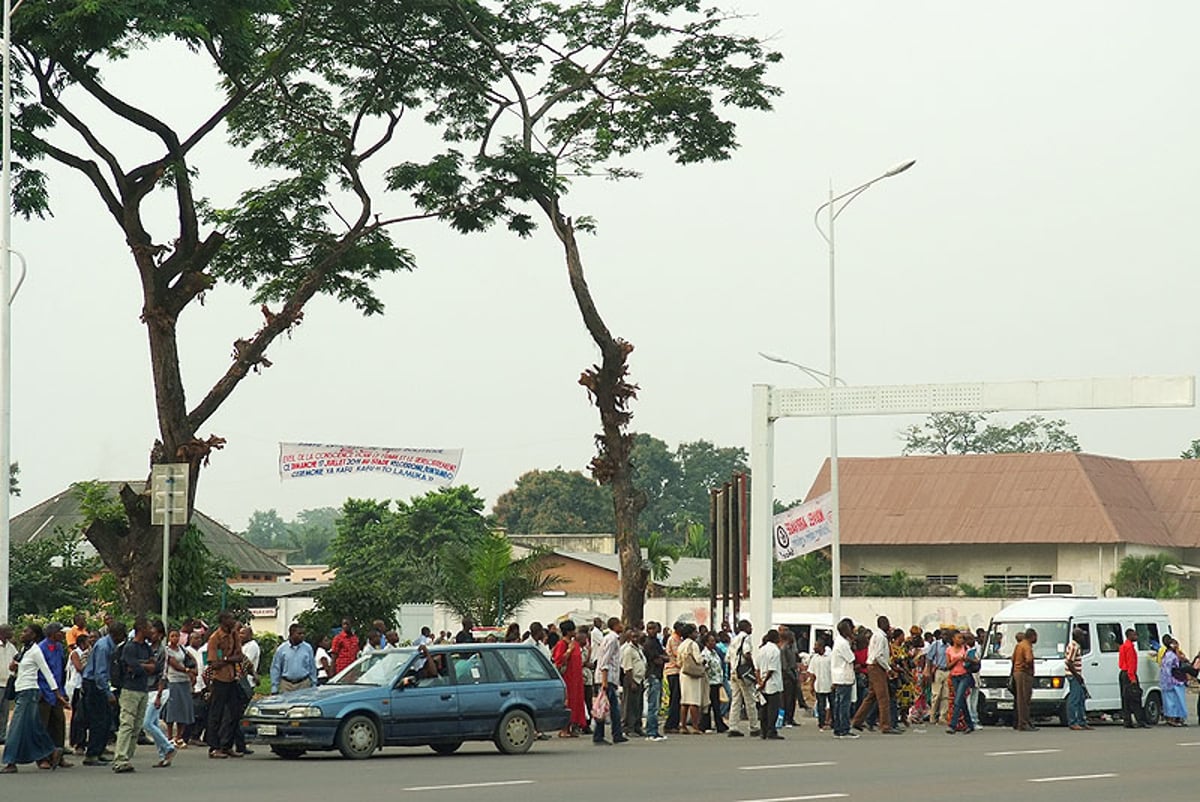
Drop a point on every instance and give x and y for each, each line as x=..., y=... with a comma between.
x=742, y=678
x=137, y=665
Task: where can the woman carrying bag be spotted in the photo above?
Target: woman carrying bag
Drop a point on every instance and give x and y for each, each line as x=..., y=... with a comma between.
x=27, y=740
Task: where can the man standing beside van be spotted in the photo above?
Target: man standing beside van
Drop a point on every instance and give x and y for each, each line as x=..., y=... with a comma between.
x=1022, y=659
x=1076, y=706
x=1131, y=689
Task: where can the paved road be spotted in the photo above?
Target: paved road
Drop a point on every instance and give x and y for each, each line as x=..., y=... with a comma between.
x=1110, y=763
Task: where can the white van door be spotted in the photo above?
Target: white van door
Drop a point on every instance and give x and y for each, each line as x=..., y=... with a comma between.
x=1100, y=664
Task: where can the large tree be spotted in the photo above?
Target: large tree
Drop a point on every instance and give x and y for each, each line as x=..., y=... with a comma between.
x=971, y=433
x=583, y=85
x=556, y=501
x=311, y=90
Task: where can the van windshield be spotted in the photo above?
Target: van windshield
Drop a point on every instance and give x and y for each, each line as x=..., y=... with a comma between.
x=1053, y=637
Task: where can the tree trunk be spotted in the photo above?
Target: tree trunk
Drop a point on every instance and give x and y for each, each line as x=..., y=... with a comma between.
x=611, y=392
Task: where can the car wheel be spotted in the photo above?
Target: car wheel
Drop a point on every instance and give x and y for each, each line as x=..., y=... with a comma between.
x=288, y=752
x=358, y=738
x=446, y=748
x=516, y=733
x=1063, y=718
x=1153, y=708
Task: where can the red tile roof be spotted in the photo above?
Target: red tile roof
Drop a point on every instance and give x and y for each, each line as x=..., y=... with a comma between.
x=1017, y=498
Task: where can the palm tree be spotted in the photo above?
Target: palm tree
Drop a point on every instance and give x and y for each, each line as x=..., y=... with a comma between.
x=485, y=583
x=1145, y=576
x=659, y=556
x=696, y=542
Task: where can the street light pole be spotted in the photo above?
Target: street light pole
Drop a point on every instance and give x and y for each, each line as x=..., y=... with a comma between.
x=833, y=210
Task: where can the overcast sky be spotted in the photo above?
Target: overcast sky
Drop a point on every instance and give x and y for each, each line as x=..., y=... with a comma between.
x=1048, y=230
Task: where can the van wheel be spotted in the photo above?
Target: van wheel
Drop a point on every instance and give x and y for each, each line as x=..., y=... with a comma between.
x=1153, y=708
x=1062, y=715
x=358, y=738
x=516, y=733
x=988, y=717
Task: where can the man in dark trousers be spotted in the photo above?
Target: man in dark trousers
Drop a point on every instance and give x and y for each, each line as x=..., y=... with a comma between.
x=1131, y=689
x=224, y=656
x=1022, y=672
x=98, y=698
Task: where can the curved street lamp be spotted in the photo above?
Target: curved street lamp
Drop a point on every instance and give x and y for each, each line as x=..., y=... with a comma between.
x=834, y=207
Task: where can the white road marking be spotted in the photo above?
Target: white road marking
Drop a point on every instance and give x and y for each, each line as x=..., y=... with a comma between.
x=798, y=798
x=787, y=766
x=1191, y=743
x=1023, y=752
x=1072, y=777
x=468, y=785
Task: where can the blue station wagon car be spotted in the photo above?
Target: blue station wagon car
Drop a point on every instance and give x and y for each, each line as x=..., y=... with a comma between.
x=438, y=696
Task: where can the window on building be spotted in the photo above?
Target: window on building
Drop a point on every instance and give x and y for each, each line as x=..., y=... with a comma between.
x=942, y=579
x=852, y=584
x=1110, y=637
x=1015, y=584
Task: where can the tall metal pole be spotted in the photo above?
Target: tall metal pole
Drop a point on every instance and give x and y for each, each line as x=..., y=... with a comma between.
x=835, y=529
x=166, y=544
x=5, y=309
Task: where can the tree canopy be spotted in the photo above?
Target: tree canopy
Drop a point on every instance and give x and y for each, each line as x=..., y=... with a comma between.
x=971, y=433
x=306, y=538
x=486, y=582
x=555, y=501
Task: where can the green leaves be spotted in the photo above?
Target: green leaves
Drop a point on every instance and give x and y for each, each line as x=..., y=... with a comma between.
x=485, y=582
x=1145, y=576
x=961, y=433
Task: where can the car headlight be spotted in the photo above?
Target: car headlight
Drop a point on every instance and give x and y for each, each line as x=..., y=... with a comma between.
x=252, y=710
x=304, y=712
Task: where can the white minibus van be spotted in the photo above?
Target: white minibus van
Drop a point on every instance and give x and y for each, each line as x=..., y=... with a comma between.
x=1103, y=622
x=807, y=627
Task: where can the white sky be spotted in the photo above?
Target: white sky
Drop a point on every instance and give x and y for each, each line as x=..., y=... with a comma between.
x=1047, y=231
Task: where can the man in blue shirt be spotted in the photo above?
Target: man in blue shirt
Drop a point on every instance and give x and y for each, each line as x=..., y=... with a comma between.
x=293, y=666
x=98, y=698
x=53, y=717
x=935, y=657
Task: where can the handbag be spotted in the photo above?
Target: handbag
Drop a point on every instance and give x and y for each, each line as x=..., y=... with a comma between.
x=10, y=687
x=690, y=666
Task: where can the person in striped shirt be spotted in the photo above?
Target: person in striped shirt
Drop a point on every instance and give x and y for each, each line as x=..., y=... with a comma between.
x=1076, y=710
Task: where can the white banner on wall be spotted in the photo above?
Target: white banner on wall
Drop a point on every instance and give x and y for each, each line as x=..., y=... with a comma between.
x=804, y=528
x=436, y=466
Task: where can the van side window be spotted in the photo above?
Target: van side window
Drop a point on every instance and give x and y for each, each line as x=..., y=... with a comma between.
x=1147, y=636
x=1085, y=640
x=1109, y=636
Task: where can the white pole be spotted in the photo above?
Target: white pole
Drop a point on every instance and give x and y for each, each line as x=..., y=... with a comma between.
x=761, y=538
x=835, y=533
x=5, y=310
x=166, y=544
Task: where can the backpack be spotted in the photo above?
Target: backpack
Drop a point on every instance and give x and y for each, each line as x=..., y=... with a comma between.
x=116, y=665
x=745, y=664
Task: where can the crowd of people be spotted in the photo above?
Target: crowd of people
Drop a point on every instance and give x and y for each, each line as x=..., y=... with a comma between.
x=175, y=688
x=691, y=680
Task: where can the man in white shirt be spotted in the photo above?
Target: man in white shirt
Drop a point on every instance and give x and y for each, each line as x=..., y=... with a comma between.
x=8, y=653
x=251, y=651
x=770, y=684
x=633, y=683
x=841, y=672
x=608, y=676
x=878, y=667
x=820, y=665
x=741, y=682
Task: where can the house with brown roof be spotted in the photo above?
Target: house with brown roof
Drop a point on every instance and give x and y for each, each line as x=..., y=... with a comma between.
x=1011, y=519
x=61, y=513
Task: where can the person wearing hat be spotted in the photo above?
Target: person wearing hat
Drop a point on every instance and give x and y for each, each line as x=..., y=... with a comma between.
x=50, y=708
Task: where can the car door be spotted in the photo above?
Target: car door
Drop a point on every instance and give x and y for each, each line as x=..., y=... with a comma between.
x=1100, y=669
x=480, y=694
x=426, y=710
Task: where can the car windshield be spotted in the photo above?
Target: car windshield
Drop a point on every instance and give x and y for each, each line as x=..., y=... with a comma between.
x=377, y=668
x=1052, y=638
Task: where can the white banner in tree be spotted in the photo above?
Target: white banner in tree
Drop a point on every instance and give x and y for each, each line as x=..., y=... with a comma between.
x=804, y=528
x=436, y=466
